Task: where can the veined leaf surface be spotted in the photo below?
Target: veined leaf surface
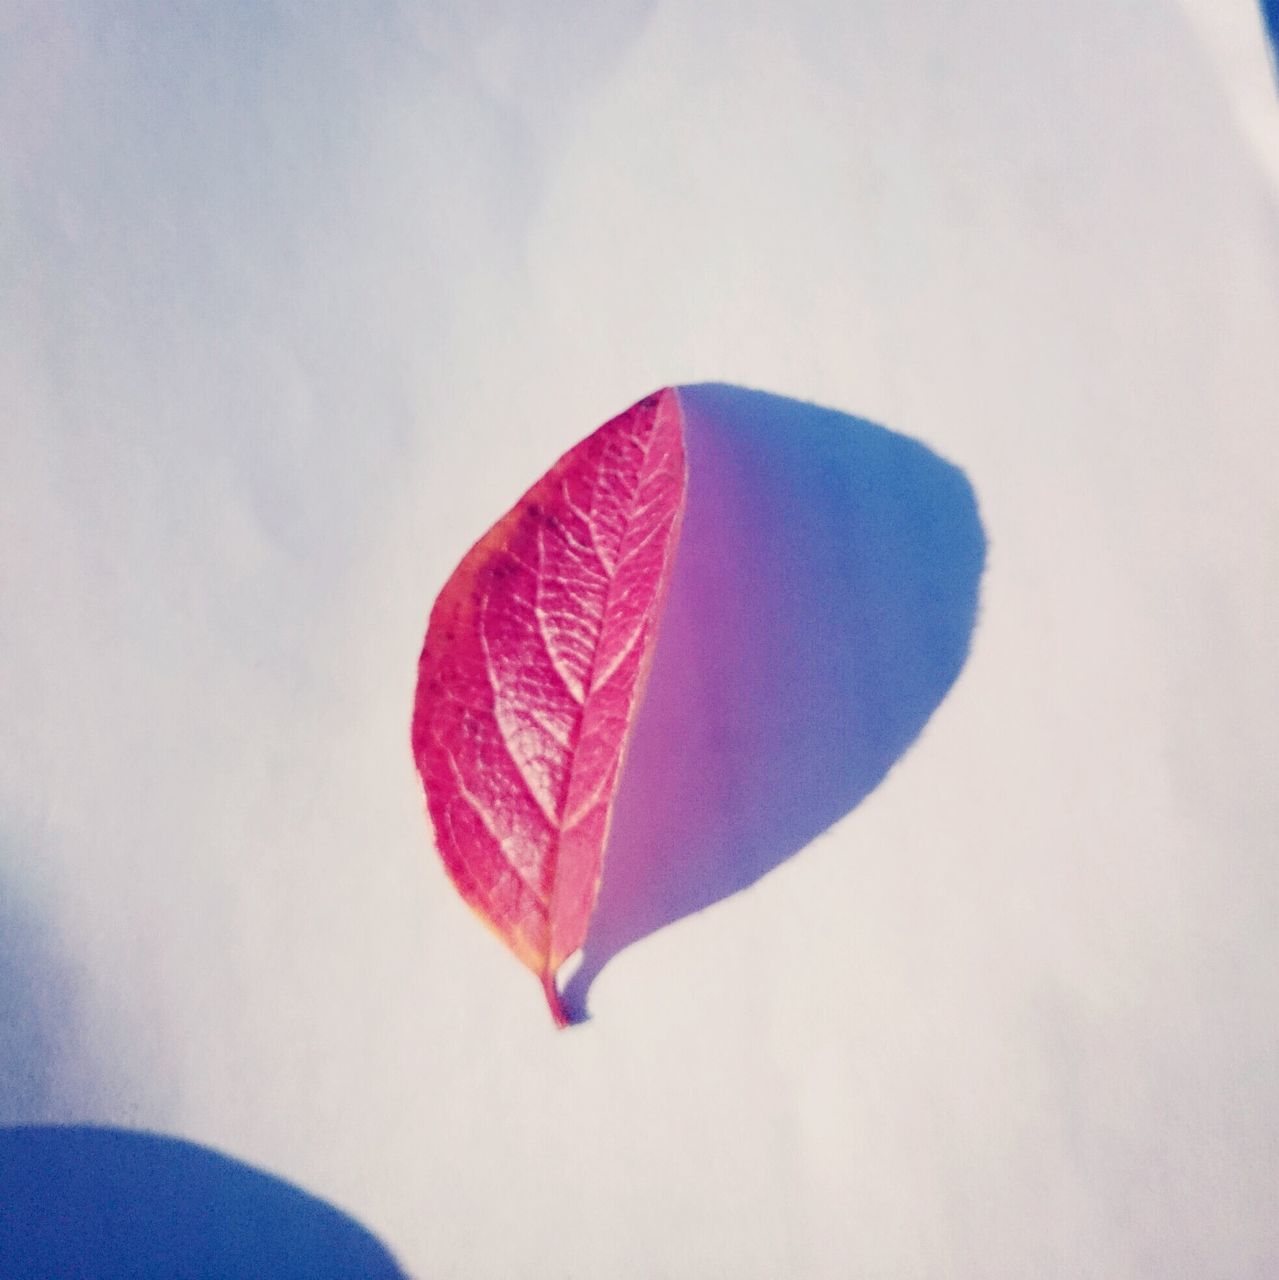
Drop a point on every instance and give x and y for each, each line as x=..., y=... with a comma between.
x=534, y=664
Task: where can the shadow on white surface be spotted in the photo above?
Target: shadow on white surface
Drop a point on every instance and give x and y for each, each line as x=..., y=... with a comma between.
x=104, y=1203
x=1270, y=14
x=823, y=600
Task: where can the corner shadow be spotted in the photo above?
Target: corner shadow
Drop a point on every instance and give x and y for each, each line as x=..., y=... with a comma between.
x=1270, y=16
x=102, y=1203
x=822, y=602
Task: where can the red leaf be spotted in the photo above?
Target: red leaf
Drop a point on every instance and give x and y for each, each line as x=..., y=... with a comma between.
x=534, y=664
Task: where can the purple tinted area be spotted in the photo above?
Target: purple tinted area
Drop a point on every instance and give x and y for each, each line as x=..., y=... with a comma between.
x=822, y=604
x=98, y=1204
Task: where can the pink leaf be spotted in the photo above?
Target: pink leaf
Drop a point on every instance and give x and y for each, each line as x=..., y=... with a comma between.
x=532, y=671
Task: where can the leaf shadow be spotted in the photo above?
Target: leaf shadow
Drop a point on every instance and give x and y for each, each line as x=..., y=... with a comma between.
x=822, y=603
x=97, y=1203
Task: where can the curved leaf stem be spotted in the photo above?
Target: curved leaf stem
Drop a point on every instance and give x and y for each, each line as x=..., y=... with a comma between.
x=553, y=999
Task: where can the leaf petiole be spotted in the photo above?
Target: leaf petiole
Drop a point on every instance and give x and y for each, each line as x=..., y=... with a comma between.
x=553, y=1000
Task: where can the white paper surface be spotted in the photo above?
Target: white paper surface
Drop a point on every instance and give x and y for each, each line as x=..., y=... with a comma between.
x=295, y=300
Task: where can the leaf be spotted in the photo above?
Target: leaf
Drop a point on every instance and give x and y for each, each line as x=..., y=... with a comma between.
x=534, y=664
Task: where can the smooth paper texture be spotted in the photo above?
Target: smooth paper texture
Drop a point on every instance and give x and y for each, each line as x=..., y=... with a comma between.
x=292, y=304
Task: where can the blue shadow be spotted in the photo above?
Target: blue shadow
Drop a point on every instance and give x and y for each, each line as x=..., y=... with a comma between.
x=822, y=603
x=1270, y=12
x=91, y=1204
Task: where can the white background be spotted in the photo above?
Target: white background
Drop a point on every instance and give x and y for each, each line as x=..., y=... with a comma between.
x=295, y=299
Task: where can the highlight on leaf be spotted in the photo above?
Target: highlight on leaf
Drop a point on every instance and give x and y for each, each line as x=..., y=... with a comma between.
x=533, y=667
